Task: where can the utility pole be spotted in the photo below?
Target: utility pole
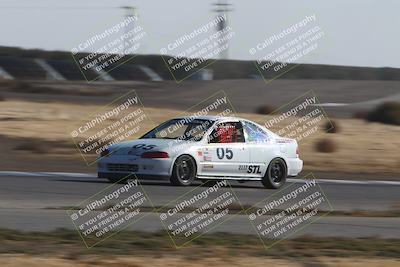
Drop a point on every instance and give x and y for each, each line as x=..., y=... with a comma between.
x=222, y=7
x=130, y=12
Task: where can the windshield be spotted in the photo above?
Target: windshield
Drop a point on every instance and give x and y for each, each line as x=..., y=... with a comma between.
x=183, y=129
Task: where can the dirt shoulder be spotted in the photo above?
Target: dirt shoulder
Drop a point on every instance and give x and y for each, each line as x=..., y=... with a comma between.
x=135, y=261
x=68, y=245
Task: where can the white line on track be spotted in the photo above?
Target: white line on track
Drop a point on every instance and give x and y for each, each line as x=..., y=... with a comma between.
x=356, y=182
x=94, y=175
x=46, y=174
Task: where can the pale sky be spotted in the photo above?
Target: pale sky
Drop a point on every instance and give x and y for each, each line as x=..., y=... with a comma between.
x=357, y=32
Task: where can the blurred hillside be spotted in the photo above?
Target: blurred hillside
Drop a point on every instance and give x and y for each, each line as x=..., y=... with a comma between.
x=22, y=64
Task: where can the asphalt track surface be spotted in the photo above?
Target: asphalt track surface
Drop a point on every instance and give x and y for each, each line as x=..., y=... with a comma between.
x=38, y=202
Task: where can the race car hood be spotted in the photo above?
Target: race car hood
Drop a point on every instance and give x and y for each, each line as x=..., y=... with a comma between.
x=140, y=146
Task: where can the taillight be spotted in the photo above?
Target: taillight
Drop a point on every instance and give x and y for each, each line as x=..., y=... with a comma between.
x=155, y=155
x=104, y=153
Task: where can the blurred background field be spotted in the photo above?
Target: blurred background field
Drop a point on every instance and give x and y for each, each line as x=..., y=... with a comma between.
x=36, y=119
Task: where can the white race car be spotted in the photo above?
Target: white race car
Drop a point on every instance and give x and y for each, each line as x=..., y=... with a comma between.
x=208, y=147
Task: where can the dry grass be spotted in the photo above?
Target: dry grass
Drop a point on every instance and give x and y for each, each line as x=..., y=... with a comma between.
x=325, y=146
x=64, y=243
x=135, y=261
x=363, y=147
x=388, y=112
x=332, y=126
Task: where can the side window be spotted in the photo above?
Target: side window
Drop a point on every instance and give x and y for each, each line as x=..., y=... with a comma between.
x=227, y=132
x=255, y=133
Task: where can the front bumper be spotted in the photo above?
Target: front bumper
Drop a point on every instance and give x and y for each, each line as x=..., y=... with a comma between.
x=119, y=167
x=119, y=176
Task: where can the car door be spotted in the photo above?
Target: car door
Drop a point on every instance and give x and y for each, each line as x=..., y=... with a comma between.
x=225, y=151
x=261, y=150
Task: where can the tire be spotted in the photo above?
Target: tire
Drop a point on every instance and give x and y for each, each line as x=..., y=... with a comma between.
x=184, y=171
x=275, y=176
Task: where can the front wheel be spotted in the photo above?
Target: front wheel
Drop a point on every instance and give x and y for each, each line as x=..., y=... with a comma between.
x=275, y=176
x=184, y=171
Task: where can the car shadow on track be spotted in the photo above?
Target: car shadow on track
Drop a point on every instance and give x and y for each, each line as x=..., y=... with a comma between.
x=150, y=182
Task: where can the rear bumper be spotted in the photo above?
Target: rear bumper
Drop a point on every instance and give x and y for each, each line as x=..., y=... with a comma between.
x=295, y=165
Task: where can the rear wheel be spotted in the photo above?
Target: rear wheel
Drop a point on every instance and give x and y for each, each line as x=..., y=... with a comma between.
x=275, y=176
x=184, y=171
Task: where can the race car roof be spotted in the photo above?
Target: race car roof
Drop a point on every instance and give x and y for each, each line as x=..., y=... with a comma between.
x=211, y=118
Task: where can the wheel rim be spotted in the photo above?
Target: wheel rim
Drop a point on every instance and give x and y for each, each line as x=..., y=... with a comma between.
x=277, y=172
x=185, y=170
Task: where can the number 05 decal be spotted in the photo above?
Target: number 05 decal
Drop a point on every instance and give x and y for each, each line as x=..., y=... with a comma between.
x=227, y=152
x=144, y=146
